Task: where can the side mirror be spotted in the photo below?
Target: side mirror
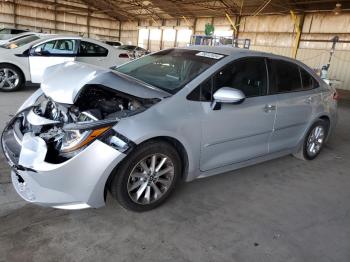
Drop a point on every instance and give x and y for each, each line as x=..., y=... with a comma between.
x=227, y=95
x=39, y=51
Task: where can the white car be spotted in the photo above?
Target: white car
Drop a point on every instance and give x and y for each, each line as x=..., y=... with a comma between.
x=26, y=59
x=17, y=37
x=7, y=33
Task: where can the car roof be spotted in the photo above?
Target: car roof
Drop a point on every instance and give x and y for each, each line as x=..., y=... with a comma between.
x=223, y=50
x=234, y=51
x=53, y=37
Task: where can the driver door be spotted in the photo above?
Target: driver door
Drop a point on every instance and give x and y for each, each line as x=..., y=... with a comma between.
x=50, y=53
x=237, y=132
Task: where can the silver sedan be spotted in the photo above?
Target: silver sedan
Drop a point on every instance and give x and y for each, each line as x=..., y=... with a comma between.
x=178, y=114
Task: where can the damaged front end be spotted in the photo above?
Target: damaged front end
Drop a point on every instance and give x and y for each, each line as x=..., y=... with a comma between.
x=60, y=131
x=61, y=155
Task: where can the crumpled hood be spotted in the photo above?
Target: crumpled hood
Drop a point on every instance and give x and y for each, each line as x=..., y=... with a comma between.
x=64, y=82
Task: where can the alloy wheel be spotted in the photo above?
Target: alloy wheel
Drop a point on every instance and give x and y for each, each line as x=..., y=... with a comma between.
x=315, y=140
x=150, y=179
x=9, y=79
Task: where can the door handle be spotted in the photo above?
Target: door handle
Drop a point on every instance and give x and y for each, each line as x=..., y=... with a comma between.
x=308, y=100
x=269, y=108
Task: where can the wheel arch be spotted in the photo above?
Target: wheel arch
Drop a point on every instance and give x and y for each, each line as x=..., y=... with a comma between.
x=325, y=118
x=179, y=147
x=17, y=67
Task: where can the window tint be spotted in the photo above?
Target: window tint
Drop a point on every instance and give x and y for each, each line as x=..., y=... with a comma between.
x=57, y=47
x=286, y=76
x=248, y=75
x=91, y=49
x=308, y=81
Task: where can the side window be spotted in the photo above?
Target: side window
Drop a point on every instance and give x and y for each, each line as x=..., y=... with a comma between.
x=248, y=75
x=59, y=47
x=307, y=80
x=91, y=49
x=286, y=76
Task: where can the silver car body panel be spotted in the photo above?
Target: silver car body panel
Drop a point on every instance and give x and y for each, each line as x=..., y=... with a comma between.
x=82, y=74
x=238, y=135
x=80, y=180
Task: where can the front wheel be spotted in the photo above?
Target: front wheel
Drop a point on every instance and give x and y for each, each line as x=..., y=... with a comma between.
x=147, y=176
x=314, y=141
x=11, y=78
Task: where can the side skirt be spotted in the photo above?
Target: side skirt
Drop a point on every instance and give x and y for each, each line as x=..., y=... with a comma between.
x=246, y=163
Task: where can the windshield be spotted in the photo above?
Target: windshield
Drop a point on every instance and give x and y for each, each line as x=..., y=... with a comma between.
x=127, y=47
x=171, y=69
x=20, y=42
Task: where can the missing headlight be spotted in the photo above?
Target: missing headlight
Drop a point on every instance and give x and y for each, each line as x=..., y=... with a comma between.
x=117, y=141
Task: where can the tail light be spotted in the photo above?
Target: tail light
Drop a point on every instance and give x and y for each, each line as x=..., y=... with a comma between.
x=123, y=55
x=336, y=96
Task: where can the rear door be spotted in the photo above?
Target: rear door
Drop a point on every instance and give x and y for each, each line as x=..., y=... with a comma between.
x=92, y=53
x=296, y=97
x=50, y=53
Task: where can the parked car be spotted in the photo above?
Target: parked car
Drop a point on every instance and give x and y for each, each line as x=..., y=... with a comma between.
x=25, y=60
x=114, y=43
x=17, y=37
x=12, y=31
x=178, y=114
x=134, y=51
x=8, y=31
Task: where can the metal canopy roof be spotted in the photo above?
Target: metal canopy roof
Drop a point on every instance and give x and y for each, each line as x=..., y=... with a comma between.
x=166, y=9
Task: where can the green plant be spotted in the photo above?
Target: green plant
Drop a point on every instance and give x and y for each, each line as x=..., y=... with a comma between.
x=209, y=29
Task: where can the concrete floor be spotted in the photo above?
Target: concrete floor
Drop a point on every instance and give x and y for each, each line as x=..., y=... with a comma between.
x=283, y=210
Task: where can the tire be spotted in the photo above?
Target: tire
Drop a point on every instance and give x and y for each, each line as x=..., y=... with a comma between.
x=305, y=152
x=139, y=189
x=11, y=78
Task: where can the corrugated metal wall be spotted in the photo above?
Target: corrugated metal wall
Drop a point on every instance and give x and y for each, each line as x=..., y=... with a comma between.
x=275, y=34
x=68, y=18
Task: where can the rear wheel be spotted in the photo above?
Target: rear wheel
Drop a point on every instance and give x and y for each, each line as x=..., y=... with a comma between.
x=314, y=141
x=11, y=78
x=147, y=177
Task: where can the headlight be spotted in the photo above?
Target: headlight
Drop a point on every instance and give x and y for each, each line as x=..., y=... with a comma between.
x=76, y=139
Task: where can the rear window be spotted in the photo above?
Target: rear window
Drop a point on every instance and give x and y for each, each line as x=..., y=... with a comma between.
x=91, y=49
x=309, y=82
x=286, y=76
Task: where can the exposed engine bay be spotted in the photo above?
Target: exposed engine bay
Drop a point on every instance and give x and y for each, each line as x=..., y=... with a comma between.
x=94, y=103
x=66, y=129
